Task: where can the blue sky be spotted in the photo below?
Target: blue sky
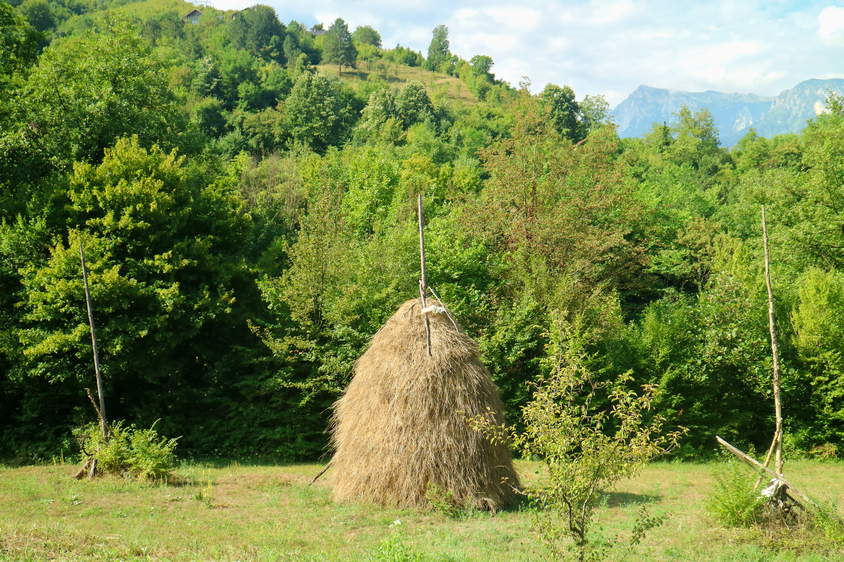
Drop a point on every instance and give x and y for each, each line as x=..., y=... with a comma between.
x=612, y=47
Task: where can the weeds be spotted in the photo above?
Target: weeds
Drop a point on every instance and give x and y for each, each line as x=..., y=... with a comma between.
x=140, y=452
x=784, y=523
x=733, y=502
x=824, y=520
x=205, y=494
x=393, y=549
x=443, y=501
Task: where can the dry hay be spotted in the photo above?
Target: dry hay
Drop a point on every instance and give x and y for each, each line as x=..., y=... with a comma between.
x=402, y=421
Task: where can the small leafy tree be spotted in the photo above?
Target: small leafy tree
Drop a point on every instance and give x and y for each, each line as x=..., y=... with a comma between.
x=313, y=114
x=367, y=35
x=591, y=433
x=258, y=30
x=439, y=49
x=565, y=113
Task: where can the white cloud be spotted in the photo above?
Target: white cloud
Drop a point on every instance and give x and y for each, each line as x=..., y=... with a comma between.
x=604, y=14
x=518, y=18
x=774, y=76
x=831, y=26
x=464, y=16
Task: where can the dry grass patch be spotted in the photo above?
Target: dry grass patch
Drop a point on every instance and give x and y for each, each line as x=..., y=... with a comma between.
x=450, y=87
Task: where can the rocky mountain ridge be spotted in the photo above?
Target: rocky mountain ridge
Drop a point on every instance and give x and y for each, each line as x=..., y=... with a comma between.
x=734, y=114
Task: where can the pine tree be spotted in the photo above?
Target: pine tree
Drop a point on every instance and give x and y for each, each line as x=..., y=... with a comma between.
x=338, y=47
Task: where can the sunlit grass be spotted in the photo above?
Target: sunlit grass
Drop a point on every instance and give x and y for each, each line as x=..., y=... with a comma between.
x=246, y=512
x=450, y=87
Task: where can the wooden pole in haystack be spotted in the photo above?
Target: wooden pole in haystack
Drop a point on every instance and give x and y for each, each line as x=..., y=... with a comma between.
x=423, y=284
x=400, y=430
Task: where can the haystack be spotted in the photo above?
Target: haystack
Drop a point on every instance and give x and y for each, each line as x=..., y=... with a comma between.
x=402, y=421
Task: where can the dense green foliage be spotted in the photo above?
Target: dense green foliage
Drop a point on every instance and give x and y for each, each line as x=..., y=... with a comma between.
x=250, y=222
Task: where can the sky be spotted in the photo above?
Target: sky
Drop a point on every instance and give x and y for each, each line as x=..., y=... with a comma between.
x=611, y=47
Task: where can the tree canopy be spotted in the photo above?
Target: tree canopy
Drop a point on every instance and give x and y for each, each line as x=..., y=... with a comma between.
x=367, y=35
x=258, y=30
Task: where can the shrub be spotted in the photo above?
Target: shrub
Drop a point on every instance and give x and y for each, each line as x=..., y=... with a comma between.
x=734, y=502
x=140, y=452
x=591, y=434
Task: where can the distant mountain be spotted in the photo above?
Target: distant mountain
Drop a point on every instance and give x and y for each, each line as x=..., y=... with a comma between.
x=734, y=114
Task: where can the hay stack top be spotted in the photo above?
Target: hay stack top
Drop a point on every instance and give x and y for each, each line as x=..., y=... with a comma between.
x=402, y=421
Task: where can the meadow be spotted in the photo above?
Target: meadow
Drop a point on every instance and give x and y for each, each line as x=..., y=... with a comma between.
x=228, y=510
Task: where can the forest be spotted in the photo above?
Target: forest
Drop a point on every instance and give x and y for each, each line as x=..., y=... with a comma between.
x=245, y=193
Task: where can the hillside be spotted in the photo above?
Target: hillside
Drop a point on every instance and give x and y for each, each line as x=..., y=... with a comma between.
x=734, y=114
x=439, y=86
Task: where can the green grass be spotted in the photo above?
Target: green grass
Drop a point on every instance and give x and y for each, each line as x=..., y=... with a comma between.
x=240, y=512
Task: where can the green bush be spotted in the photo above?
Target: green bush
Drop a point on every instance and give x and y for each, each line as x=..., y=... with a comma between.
x=140, y=452
x=734, y=502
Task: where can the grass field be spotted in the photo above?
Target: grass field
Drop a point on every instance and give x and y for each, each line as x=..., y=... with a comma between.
x=438, y=85
x=232, y=511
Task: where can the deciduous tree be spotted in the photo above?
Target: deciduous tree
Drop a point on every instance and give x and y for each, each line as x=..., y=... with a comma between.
x=85, y=94
x=565, y=112
x=258, y=30
x=167, y=276
x=367, y=35
x=438, y=50
x=313, y=114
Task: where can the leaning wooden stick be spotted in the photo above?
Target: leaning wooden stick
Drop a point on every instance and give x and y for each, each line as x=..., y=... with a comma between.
x=103, y=422
x=320, y=473
x=756, y=464
x=101, y=411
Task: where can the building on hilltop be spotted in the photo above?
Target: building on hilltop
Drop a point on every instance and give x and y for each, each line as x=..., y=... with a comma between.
x=192, y=17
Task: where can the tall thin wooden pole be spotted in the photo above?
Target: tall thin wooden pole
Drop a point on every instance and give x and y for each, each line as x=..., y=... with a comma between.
x=422, y=243
x=423, y=284
x=100, y=393
x=774, y=351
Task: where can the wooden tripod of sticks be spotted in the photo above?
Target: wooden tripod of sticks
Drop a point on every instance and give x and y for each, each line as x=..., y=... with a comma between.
x=776, y=445
x=423, y=282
